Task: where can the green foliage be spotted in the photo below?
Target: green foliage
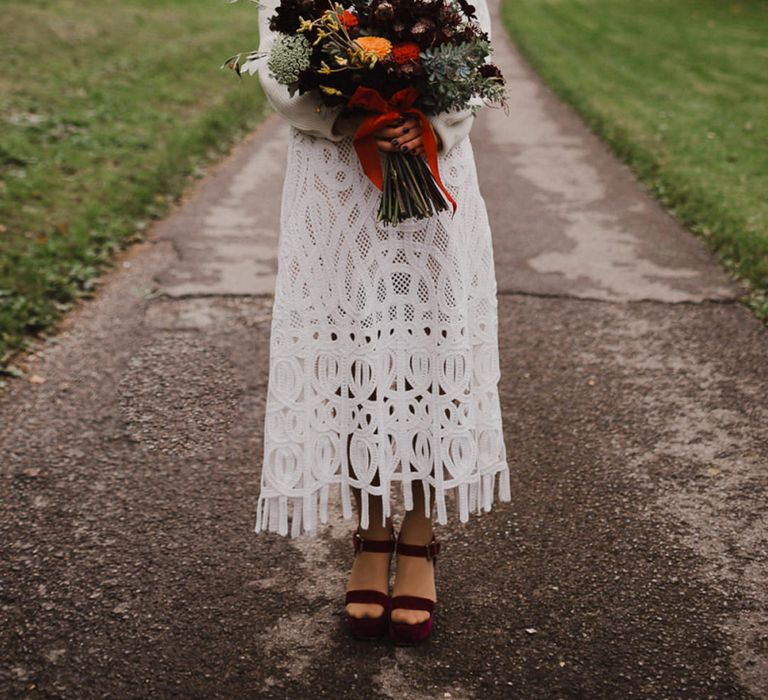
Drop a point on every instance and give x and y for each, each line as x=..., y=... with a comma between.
x=452, y=73
x=98, y=141
x=678, y=89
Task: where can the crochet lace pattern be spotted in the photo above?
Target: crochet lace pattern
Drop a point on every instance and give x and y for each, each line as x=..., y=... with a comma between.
x=384, y=362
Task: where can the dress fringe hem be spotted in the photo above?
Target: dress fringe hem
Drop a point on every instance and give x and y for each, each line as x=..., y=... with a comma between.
x=299, y=515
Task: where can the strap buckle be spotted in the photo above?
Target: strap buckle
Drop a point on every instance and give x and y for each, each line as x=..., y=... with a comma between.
x=361, y=544
x=357, y=541
x=429, y=550
x=433, y=549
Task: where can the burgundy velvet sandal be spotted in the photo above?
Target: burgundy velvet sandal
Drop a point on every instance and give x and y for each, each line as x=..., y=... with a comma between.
x=402, y=633
x=370, y=627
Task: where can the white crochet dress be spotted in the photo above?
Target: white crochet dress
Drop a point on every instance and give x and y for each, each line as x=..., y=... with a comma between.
x=384, y=363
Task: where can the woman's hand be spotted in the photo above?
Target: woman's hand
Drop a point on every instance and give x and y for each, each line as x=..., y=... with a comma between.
x=403, y=134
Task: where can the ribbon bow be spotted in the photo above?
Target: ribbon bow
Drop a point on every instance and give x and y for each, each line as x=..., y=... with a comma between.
x=400, y=104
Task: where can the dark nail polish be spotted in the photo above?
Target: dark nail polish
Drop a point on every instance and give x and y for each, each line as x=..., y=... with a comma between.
x=403, y=148
x=406, y=130
x=394, y=142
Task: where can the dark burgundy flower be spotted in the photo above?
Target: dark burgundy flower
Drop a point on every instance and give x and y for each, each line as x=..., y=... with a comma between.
x=469, y=10
x=468, y=34
x=423, y=28
x=384, y=12
x=410, y=70
x=286, y=17
x=489, y=70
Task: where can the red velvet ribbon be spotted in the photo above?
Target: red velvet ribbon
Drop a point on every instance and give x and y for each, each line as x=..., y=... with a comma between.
x=400, y=104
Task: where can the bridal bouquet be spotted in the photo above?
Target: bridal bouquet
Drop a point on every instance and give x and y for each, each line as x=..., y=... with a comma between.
x=383, y=59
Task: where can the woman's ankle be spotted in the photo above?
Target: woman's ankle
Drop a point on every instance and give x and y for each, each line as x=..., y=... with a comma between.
x=376, y=530
x=416, y=528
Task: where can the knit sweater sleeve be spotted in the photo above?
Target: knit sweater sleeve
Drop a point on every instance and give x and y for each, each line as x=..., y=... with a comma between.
x=451, y=127
x=304, y=112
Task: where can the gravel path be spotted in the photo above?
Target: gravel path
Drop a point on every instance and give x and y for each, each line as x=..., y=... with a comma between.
x=631, y=563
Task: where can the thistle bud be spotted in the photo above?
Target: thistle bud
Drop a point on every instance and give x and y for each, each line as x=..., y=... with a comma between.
x=384, y=12
x=423, y=26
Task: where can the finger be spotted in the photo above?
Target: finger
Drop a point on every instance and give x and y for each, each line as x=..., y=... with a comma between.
x=412, y=144
x=385, y=145
x=413, y=123
x=409, y=126
x=408, y=139
x=391, y=130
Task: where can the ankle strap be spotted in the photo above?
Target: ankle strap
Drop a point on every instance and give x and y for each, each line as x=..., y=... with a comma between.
x=411, y=602
x=363, y=544
x=430, y=551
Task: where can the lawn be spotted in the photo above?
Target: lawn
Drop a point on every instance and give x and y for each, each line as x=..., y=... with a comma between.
x=106, y=111
x=678, y=88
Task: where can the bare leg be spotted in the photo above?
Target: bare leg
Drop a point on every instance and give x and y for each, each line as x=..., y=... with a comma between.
x=370, y=569
x=415, y=575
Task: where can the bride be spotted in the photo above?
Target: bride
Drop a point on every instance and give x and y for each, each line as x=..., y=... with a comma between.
x=384, y=363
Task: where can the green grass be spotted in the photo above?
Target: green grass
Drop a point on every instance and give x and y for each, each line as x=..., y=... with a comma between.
x=678, y=88
x=106, y=110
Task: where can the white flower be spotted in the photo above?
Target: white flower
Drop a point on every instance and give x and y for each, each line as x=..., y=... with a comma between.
x=289, y=56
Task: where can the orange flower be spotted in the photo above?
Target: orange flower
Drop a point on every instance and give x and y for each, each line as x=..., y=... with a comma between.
x=407, y=51
x=348, y=19
x=375, y=45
